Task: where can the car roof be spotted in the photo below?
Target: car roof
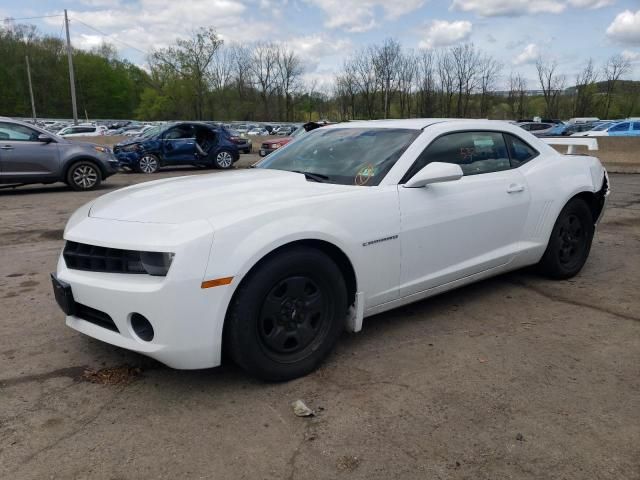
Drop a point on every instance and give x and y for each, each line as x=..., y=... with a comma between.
x=419, y=123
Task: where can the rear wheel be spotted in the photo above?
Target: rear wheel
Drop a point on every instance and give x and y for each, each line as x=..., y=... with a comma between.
x=84, y=175
x=287, y=315
x=223, y=160
x=570, y=241
x=148, y=163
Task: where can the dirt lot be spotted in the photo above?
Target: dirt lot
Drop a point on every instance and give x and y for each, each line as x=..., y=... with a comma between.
x=515, y=377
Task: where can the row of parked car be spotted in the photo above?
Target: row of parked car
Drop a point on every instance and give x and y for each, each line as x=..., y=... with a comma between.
x=31, y=154
x=582, y=128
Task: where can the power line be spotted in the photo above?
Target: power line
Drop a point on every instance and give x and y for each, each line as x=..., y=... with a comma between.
x=12, y=19
x=109, y=36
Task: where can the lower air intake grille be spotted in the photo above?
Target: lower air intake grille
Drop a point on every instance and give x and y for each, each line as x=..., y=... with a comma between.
x=96, y=317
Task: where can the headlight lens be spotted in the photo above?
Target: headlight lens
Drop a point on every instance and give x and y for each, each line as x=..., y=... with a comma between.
x=132, y=148
x=101, y=149
x=156, y=263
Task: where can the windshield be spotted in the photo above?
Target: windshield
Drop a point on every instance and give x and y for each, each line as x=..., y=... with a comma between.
x=603, y=126
x=150, y=132
x=348, y=156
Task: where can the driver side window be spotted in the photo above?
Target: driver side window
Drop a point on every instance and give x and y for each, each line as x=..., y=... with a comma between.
x=475, y=152
x=12, y=132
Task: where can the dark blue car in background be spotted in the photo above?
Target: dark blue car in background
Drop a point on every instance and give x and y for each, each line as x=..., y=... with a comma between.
x=184, y=143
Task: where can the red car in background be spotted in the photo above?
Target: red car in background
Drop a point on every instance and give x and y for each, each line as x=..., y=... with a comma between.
x=271, y=145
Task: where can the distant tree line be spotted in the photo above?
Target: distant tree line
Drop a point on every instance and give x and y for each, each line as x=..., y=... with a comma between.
x=201, y=78
x=107, y=87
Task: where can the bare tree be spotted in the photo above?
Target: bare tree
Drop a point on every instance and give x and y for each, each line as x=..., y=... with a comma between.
x=364, y=76
x=552, y=84
x=386, y=59
x=446, y=81
x=263, y=66
x=426, y=83
x=614, y=69
x=585, y=90
x=517, y=98
x=407, y=71
x=489, y=71
x=466, y=62
x=290, y=70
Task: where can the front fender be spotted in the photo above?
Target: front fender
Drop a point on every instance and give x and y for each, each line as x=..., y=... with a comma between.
x=231, y=257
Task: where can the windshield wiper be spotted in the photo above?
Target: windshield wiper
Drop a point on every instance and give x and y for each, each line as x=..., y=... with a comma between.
x=316, y=177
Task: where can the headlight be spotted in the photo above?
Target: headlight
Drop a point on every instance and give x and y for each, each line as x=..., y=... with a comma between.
x=275, y=145
x=132, y=148
x=156, y=263
x=101, y=149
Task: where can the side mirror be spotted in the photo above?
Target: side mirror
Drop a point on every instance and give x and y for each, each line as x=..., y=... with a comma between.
x=435, y=172
x=43, y=137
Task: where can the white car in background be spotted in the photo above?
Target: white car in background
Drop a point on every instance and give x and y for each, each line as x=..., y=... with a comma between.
x=82, y=131
x=270, y=264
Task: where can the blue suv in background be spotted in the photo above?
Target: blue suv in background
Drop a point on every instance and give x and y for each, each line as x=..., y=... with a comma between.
x=184, y=143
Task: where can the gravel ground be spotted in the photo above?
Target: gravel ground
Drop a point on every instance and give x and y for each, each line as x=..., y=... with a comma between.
x=514, y=377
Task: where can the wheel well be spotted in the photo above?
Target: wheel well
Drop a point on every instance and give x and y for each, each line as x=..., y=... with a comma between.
x=329, y=249
x=71, y=163
x=595, y=201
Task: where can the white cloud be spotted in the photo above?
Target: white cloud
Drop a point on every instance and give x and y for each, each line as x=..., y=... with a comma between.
x=625, y=28
x=529, y=55
x=592, y=4
x=441, y=33
x=631, y=56
x=152, y=24
x=360, y=15
x=508, y=8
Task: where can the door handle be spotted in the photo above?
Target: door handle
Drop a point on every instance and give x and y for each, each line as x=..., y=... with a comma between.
x=515, y=188
x=6, y=147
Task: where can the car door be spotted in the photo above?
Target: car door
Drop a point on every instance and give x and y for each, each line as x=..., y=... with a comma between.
x=23, y=157
x=455, y=229
x=635, y=129
x=620, y=130
x=179, y=144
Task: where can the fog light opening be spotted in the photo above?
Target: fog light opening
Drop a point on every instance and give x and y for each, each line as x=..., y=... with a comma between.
x=142, y=327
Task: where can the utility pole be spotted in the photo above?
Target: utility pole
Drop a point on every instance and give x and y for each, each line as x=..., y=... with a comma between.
x=33, y=105
x=72, y=80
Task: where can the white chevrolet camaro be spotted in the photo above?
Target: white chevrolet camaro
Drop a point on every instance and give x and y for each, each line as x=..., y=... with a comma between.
x=270, y=264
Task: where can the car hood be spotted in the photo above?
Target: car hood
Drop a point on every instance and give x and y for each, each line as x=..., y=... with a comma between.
x=130, y=141
x=210, y=197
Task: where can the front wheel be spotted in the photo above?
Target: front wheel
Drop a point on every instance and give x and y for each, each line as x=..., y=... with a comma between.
x=287, y=315
x=223, y=160
x=570, y=241
x=84, y=175
x=148, y=164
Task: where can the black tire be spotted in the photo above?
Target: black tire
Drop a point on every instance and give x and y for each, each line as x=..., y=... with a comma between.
x=287, y=315
x=148, y=163
x=84, y=175
x=247, y=150
x=570, y=241
x=223, y=160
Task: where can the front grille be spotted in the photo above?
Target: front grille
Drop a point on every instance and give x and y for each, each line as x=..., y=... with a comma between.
x=80, y=256
x=96, y=317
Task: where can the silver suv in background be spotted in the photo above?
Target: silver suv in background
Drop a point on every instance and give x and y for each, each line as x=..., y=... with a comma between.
x=29, y=154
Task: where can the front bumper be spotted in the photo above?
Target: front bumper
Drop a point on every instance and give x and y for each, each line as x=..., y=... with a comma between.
x=128, y=159
x=187, y=319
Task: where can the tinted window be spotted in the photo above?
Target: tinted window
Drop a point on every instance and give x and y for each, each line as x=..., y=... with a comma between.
x=349, y=156
x=621, y=127
x=636, y=126
x=11, y=131
x=475, y=152
x=520, y=152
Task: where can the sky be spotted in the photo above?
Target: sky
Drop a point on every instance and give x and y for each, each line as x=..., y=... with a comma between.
x=325, y=32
